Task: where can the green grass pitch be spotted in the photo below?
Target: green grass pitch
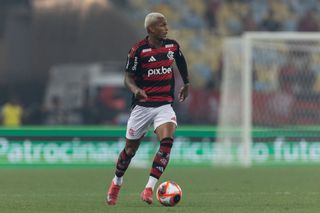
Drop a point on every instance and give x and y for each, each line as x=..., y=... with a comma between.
x=259, y=189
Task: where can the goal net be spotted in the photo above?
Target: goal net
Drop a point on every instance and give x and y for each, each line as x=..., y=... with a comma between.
x=271, y=82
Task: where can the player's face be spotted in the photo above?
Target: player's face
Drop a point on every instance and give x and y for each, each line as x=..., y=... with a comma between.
x=160, y=28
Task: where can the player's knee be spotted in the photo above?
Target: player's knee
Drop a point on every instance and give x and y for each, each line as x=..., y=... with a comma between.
x=130, y=152
x=132, y=147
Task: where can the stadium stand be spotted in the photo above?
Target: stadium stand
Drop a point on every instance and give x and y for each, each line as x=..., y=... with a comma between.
x=200, y=26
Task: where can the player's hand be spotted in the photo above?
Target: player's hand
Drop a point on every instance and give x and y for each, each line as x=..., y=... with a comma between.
x=140, y=94
x=184, y=92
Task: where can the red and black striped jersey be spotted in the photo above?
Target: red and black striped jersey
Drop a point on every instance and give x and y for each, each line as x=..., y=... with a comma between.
x=153, y=72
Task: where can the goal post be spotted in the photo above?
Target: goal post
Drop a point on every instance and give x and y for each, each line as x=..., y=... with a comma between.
x=270, y=79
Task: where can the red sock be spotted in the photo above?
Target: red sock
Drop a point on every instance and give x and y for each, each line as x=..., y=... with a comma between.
x=122, y=163
x=161, y=159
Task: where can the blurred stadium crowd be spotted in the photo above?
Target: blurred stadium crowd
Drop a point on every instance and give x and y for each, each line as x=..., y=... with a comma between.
x=38, y=34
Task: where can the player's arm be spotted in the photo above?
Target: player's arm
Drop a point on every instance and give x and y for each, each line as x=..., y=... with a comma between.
x=183, y=69
x=129, y=77
x=130, y=83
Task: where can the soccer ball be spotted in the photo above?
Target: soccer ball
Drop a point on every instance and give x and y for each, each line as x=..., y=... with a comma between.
x=169, y=193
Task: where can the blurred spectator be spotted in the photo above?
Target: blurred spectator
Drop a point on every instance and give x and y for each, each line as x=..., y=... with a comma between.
x=90, y=112
x=305, y=80
x=211, y=13
x=12, y=113
x=215, y=82
x=201, y=27
x=249, y=23
x=269, y=23
x=287, y=76
x=34, y=114
x=309, y=22
x=54, y=113
x=191, y=20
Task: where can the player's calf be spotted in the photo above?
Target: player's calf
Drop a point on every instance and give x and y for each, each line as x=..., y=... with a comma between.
x=121, y=167
x=159, y=164
x=162, y=157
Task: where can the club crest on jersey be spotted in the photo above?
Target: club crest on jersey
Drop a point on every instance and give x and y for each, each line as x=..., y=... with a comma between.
x=152, y=59
x=170, y=55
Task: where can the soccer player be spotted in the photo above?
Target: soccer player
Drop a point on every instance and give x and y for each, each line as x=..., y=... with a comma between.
x=149, y=76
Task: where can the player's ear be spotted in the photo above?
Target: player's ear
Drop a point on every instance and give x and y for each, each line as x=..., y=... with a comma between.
x=151, y=28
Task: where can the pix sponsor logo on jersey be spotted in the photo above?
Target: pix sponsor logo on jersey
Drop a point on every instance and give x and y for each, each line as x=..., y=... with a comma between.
x=159, y=71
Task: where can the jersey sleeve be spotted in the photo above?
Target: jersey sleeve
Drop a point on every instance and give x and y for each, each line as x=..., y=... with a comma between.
x=181, y=64
x=132, y=61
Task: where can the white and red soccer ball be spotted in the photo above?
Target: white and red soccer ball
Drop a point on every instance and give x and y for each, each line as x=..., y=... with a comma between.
x=169, y=193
